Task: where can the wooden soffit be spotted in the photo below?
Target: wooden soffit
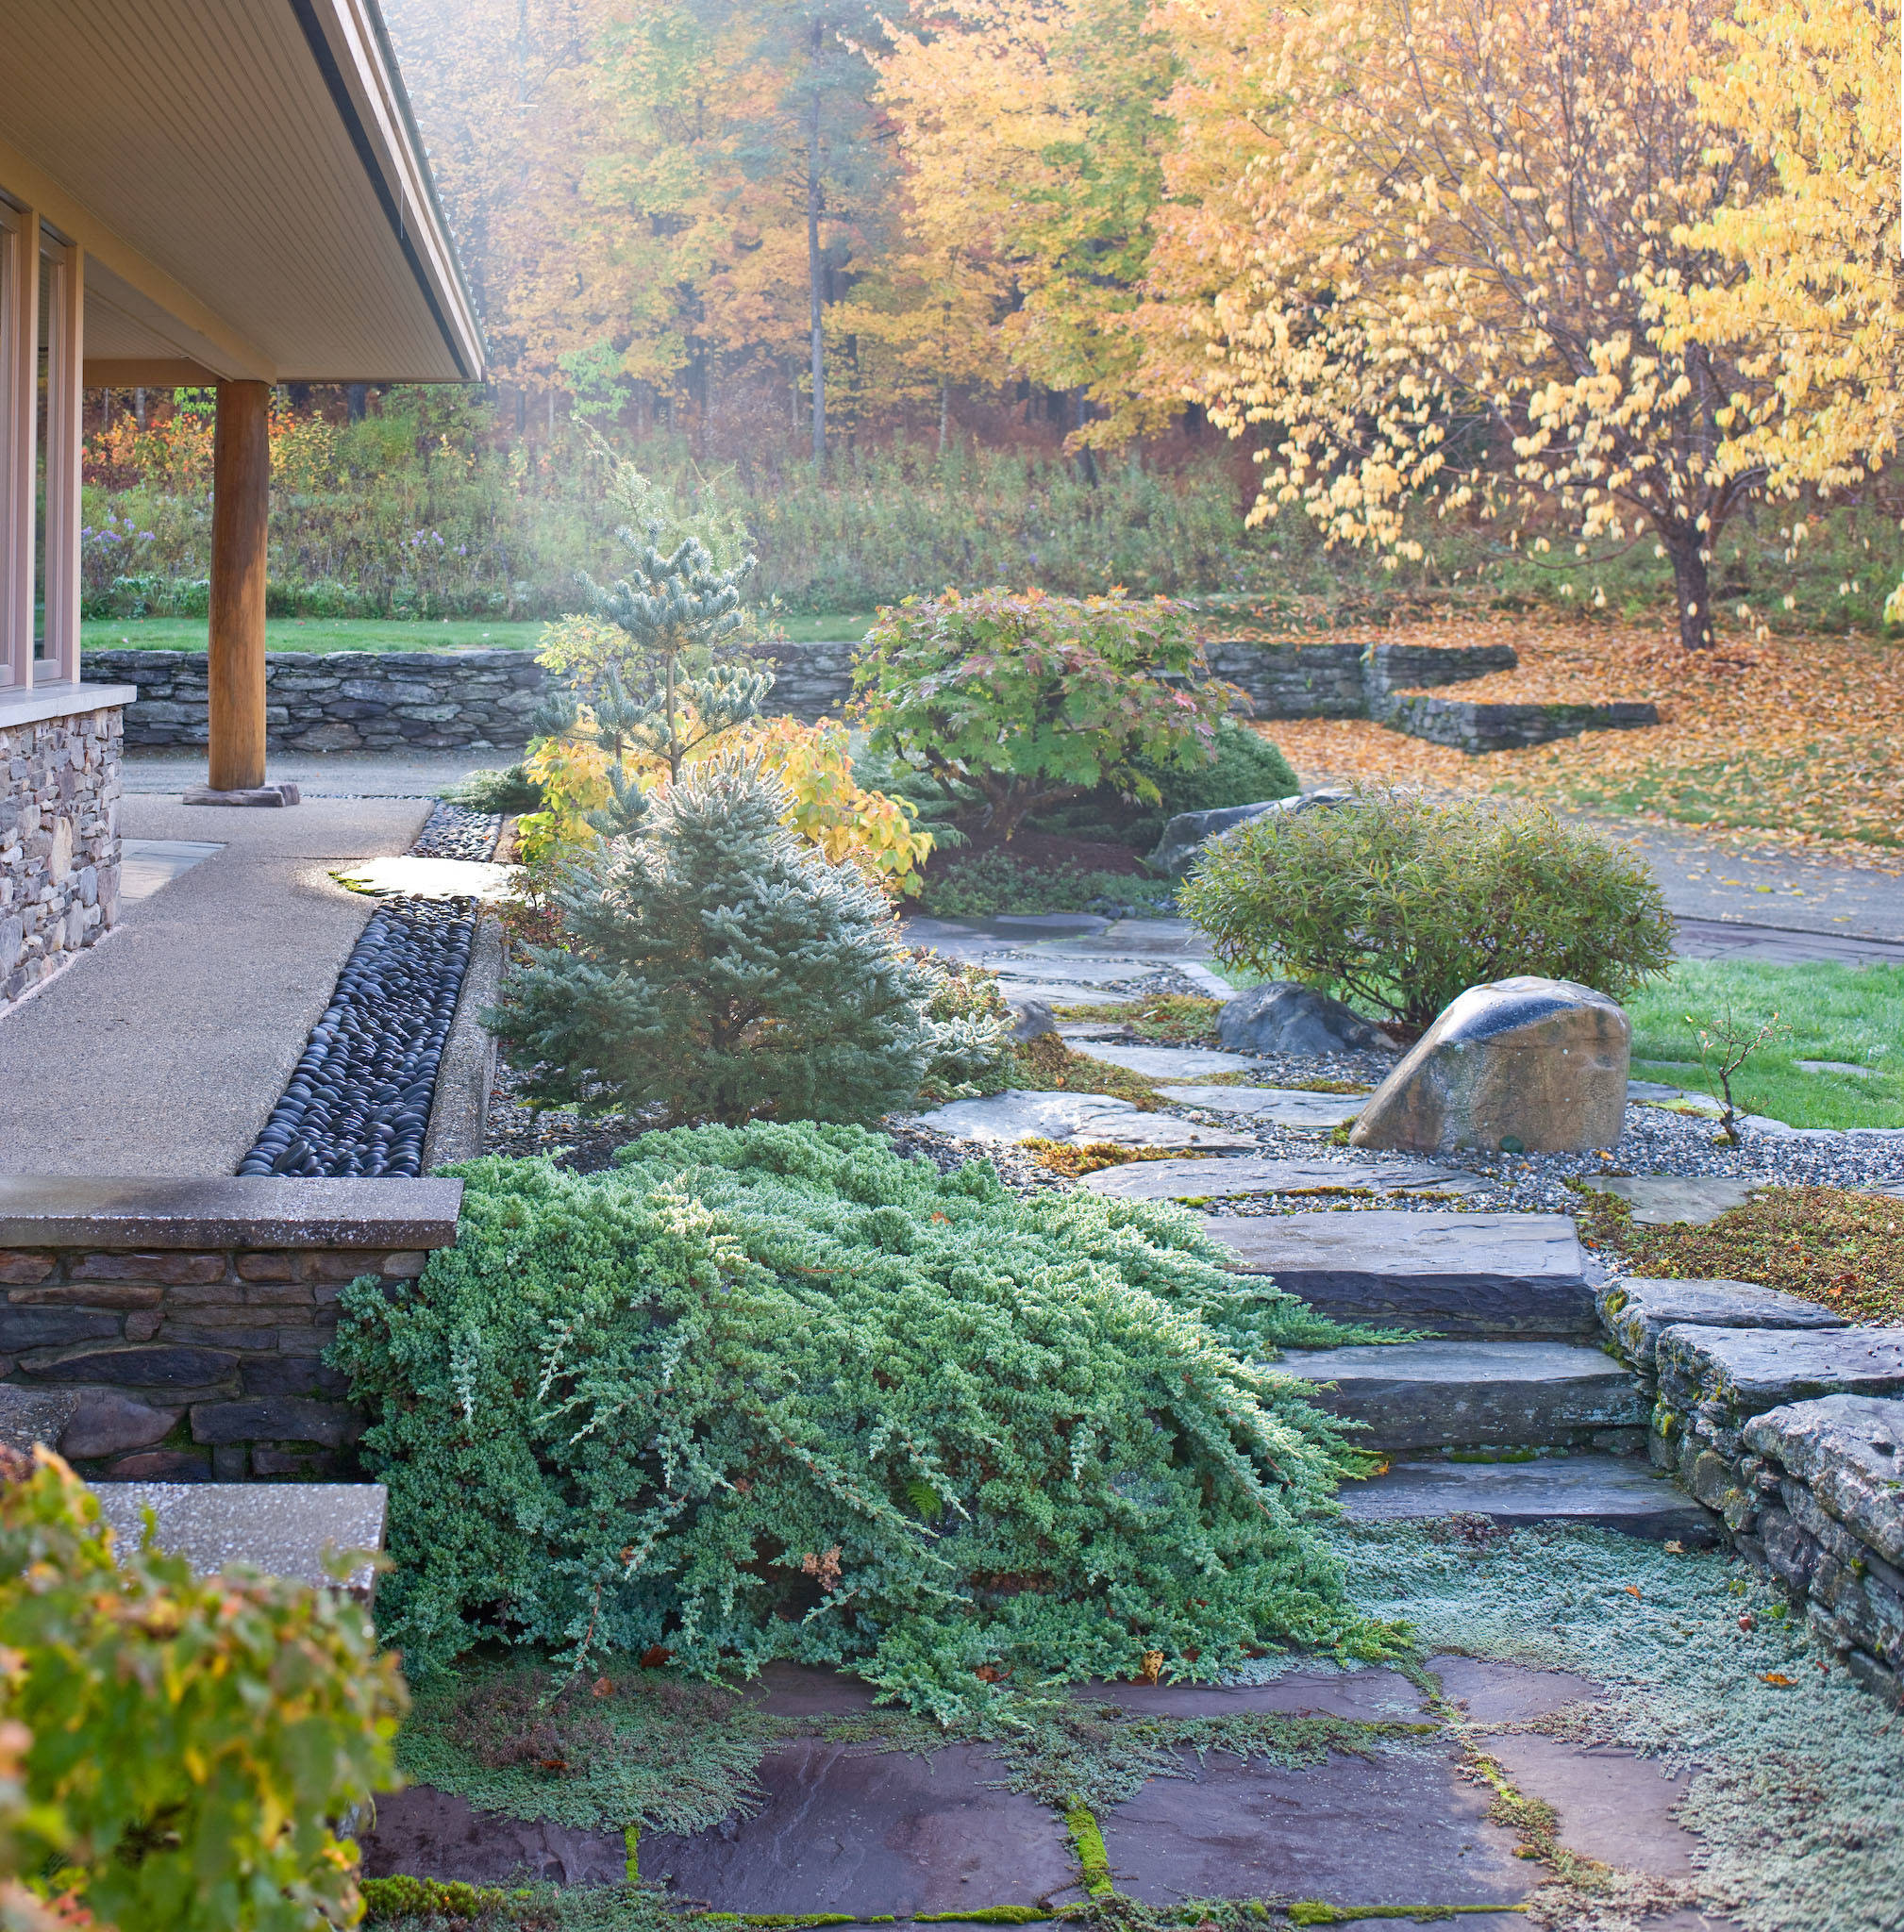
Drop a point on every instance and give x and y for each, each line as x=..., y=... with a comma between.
x=247, y=181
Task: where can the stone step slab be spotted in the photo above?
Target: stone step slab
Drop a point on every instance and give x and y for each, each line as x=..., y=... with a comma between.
x=1664, y=1200
x=1728, y=1376
x=284, y=1529
x=1078, y=1118
x=1636, y=1312
x=1284, y=1106
x=1475, y=1394
x=1590, y=1490
x=1472, y=1275
x=1206, y=1180
x=1171, y=1062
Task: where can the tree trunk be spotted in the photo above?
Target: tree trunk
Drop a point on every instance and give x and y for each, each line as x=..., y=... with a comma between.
x=945, y=411
x=813, y=287
x=1692, y=588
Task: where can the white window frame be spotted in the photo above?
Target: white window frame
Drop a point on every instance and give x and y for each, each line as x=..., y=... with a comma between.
x=19, y=412
x=64, y=266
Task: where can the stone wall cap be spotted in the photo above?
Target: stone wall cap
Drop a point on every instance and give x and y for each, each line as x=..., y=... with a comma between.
x=262, y=1211
x=43, y=701
x=294, y=1530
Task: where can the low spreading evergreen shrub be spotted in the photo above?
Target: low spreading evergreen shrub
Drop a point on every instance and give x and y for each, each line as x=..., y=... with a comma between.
x=1402, y=903
x=714, y=965
x=775, y=1392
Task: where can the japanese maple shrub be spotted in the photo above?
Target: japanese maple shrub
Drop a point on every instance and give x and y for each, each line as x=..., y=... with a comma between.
x=774, y=1392
x=1027, y=701
x=712, y=964
x=182, y=1743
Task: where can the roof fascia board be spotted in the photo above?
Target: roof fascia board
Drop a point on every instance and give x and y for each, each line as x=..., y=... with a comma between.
x=368, y=93
x=219, y=345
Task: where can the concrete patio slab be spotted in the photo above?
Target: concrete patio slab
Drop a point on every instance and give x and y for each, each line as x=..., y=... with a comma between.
x=180, y=1029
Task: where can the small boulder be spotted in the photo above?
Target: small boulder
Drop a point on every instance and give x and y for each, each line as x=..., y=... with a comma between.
x=1518, y=1066
x=1283, y=1017
x=1029, y=1018
x=1185, y=834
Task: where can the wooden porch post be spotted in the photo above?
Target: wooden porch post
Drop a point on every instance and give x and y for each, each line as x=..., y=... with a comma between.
x=241, y=496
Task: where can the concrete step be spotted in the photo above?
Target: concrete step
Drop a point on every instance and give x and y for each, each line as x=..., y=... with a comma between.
x=1479, y=1394
x=1498, y=1276
x=1600, y=1491
x=294, y=1530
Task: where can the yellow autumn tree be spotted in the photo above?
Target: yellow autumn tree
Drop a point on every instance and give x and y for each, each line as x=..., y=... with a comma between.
x=1811, y=88
x=1425, y=242
x=1033, y=139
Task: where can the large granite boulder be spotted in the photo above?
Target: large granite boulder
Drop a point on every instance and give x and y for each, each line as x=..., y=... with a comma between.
x=1517, y=1066
x=1188, y=832
x=1283, y=1017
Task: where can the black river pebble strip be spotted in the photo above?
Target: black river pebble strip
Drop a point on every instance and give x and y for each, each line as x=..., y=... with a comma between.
x=358, y=1101
x=454, y=831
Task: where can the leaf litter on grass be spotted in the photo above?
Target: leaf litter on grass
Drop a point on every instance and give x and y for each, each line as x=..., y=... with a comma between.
x=1795, y=740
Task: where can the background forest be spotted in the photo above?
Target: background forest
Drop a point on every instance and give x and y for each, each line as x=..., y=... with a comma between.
x=1196, y=299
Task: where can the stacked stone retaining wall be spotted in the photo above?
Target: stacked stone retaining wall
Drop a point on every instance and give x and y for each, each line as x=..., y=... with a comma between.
x=1789, y=1424
x=175, y=1330
x=479, y=700
x=58, y=843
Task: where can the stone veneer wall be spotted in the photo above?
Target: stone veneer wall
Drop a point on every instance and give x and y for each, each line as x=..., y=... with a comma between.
x=186, y=1320
x=58, y=842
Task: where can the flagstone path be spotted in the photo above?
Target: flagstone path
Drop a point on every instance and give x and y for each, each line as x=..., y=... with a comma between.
x=867, y=1830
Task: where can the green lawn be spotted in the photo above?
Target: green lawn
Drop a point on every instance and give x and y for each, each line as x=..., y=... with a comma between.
x=385, y=633
x=1854, y=1014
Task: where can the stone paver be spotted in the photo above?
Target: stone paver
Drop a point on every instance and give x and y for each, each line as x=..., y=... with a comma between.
x=845, y=1830
x=1665, y=1200
x=1171, y=1062
x=1190, y=1180
x=1294, y=1108
x=1399, y=1828
x=1077, y=1118
x=855, y=1829
x=1473, y=1394
x=1497, y=1274
x=1621, y=1493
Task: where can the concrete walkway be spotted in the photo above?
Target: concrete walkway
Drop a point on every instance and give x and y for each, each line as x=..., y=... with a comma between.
x=162, y=1050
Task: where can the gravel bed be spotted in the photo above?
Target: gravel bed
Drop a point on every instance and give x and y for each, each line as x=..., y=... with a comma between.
x=454, y=831
x=585, y=1144
x=358, y=1101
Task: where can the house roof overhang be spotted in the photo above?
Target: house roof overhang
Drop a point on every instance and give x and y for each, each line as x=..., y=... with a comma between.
x=247, y=183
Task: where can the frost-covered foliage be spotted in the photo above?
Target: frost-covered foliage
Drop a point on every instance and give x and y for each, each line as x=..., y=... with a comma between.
x=713, y=964
x=1799, y=1775
x=775, y=1392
